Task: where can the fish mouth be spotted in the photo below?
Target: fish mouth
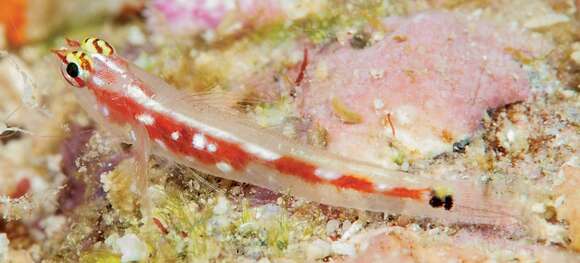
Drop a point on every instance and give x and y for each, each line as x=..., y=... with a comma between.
x=61, y=52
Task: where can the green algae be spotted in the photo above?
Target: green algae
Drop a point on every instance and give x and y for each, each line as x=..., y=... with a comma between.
x=399, y=158
x=197, y=227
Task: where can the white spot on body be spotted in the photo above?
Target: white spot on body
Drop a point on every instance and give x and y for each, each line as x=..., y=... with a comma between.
x=98, y=81
x=199, y=141
x=211, y=148
x=140, y=97
x=381, y=187
x=137, y=94
x=145, y=119
x=261, y=152
x=224, y=167
x=326, y=174
x=175, y=135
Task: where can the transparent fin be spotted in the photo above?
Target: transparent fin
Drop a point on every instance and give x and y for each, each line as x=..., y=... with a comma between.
x=141, y=151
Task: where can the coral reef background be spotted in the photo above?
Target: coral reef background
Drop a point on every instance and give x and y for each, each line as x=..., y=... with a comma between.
x=66, y=185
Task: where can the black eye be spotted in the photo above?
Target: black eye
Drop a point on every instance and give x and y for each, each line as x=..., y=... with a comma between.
x=72, y=70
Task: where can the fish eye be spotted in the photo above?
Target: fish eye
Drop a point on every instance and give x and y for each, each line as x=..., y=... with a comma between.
x=72, y=70
x=76, y=68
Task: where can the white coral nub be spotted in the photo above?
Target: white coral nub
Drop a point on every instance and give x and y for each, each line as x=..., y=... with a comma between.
x=4, y=242
x=131, y=248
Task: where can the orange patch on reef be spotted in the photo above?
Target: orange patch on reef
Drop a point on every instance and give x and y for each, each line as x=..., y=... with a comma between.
x=21, y=189
x=13, y=18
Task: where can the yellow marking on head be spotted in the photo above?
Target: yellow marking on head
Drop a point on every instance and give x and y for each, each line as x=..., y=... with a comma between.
x=98, y=46
x=81, y=59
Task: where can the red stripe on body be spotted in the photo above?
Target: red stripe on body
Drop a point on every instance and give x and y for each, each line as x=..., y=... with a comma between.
x=225, y=151
x=364, y=185
x=292, y=166
x=233, y=154
x=352, y=182
x=406, y=192
x=123, y=110
x=295, y=167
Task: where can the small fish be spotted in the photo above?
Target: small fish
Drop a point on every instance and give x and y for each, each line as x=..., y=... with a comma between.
x=125, y=99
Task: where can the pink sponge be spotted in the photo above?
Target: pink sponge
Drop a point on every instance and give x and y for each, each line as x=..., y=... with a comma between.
x=423, y=87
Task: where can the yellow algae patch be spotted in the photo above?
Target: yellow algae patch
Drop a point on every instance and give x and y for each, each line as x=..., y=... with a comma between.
x=117, y=184
x=519, y=55
x=345, y=114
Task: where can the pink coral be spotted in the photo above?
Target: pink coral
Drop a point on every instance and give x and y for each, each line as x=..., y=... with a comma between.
x=398, y=244
x=192, y=17
x=424, y=86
